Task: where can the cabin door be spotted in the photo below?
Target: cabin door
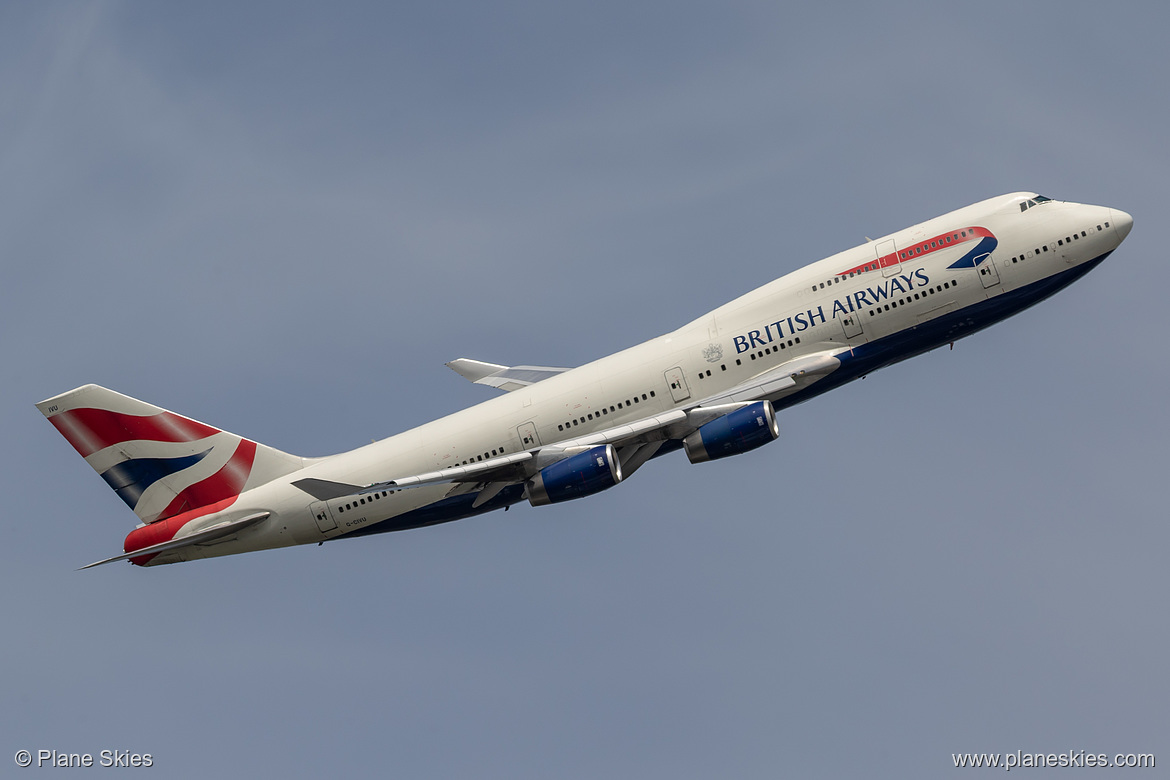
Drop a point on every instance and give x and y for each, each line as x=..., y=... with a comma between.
x=323, y=517
x=851, y=324
x=528, y=437
x=678, y=385
x=892, y=264
x=987, y=273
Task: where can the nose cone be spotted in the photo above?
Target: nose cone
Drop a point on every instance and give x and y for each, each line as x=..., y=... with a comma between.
x=1122, y=224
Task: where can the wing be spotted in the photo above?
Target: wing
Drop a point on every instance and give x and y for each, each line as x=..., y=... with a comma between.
x=636, y=442
x=506, y=378
x=772, y=385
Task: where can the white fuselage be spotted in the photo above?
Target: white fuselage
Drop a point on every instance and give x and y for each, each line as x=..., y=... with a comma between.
x=868, y=316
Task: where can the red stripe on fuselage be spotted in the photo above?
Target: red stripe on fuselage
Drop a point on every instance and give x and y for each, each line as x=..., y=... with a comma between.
x=921, y=249
x=90, y=430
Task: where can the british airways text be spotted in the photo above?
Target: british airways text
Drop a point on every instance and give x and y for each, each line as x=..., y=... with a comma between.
x=853, y=302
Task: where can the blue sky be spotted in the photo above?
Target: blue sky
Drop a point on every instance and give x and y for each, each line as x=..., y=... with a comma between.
x=283, y=219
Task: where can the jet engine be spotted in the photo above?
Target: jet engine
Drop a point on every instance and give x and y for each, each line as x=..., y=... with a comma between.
x=583, y=474
x=732, y=434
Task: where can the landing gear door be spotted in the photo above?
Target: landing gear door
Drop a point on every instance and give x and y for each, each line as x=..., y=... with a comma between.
x=678, y=385
x=322, y=515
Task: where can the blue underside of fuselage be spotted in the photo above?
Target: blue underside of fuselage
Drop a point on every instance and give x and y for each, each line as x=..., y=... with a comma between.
x=861, y=360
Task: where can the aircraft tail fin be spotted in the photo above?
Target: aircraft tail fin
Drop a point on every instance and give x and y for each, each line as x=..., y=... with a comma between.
x=158, y=462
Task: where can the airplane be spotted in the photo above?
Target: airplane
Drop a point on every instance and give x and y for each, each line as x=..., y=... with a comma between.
x=711, y=388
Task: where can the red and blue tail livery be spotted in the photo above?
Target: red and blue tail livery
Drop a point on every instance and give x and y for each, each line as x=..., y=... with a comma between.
x=163, y=465
x=711, y=388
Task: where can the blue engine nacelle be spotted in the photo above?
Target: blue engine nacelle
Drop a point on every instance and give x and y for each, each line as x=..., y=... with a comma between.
x=741, y=431
x=579, y=475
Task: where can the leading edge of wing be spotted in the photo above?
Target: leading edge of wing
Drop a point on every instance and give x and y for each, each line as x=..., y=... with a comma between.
x=779, y=381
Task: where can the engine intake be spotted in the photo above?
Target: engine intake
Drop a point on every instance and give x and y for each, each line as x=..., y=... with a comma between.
x=577, y=476
x=732, y=434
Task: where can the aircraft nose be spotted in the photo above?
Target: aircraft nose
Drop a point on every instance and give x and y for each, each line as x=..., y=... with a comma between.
x=1122, y=224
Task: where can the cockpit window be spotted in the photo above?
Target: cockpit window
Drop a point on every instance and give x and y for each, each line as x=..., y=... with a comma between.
x=1034, y=201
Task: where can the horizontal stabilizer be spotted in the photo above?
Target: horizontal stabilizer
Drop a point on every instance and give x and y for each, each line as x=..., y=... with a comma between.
x=506, y=378
x=206, y=535
x=324, y=490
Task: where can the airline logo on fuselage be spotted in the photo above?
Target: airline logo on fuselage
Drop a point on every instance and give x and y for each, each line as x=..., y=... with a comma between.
x=849, y=304
x=984, y=242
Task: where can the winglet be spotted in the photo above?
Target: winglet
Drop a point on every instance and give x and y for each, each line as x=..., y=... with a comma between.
x=474, y=370
x=506, y=378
